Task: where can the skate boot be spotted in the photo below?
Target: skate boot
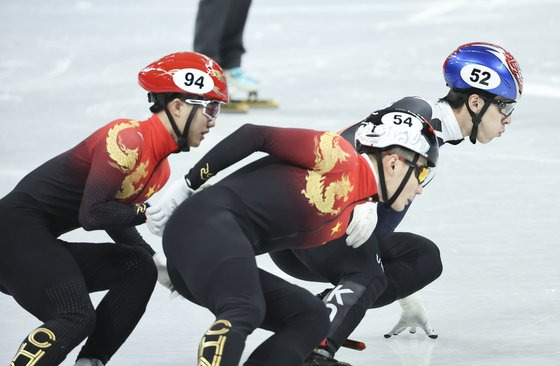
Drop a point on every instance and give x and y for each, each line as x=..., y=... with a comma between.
x=88, y=362
x=244, y=92
x=321, y=357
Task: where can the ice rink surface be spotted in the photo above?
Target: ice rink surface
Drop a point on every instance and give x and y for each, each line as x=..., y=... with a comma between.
x=69, y=67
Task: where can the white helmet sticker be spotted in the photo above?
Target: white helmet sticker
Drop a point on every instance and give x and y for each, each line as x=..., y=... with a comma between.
x=480, y=77
x=396, y=128
x=193, y=81
x=401, y=118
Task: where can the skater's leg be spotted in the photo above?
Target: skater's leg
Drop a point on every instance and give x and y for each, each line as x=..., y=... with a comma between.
x=288, y=262
x=216, y=261
x=411, y=262
x=46, y=281
x=129, y=273
x=231, y=43
x=359, y=280
x=210, y=26
x=298, y=319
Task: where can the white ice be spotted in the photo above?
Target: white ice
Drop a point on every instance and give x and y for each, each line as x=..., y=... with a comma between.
x=68, y=67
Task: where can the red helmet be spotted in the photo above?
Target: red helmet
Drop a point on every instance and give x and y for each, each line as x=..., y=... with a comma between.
x=188, y=73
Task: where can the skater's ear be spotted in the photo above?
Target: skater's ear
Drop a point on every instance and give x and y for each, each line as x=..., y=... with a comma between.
x=175, y=106
x=389, y=163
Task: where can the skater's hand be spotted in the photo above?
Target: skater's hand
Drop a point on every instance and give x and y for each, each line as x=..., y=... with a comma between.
x=163, y=275
x=160, y=211
x=413, y=315
x=362, y=225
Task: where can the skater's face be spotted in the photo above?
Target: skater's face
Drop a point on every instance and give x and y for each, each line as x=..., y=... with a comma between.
x=200, y=126
x=201, y=122
x=494, y=120
x=396, y=168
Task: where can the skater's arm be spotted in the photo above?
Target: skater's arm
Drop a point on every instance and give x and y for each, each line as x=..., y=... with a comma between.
x=99, y=209
x=130, y=236
x=388, y=219
x=310, y=149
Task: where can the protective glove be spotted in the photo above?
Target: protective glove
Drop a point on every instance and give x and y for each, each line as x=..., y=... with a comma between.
x=163, y=275
x=159, y=212
x=362, y=225
x=413, y=315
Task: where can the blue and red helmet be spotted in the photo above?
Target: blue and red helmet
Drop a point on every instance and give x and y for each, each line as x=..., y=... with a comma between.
x=486, y=67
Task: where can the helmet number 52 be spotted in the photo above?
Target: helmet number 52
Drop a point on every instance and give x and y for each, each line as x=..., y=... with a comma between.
x=190, y=80
x=476, y=75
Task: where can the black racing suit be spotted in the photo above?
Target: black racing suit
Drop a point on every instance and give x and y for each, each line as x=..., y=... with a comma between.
x=300, y=196
x=407, y=262
x=99, y=184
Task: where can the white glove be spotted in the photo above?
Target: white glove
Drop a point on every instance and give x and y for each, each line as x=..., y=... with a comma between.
x=362, y=224
x=413, y=315
x=163, y=275
x=88, y=362
x=159, y=212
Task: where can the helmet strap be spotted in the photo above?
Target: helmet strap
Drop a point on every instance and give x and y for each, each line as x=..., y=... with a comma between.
x=387, y=202
x=182, y=138
x=381, y=172
x=403, y=182
x=476, y=119
x=159, y=99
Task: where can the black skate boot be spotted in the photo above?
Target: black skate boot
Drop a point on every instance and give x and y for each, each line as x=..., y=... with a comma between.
x=319, y=360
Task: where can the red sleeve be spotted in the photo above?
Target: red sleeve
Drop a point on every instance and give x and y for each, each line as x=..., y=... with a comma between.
x=309, y=149
x=109, y=167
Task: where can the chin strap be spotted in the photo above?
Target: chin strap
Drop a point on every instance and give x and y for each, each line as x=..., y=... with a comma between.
x=476, y=118
x=387, y=202
x=182, y=139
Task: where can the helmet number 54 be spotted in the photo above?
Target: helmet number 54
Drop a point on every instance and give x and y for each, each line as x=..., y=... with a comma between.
x=398, y=119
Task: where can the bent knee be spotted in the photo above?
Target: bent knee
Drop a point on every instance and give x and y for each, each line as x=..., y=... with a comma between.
x=81, y=321
x=432, y=257
x=319, y=318
x=246, y=316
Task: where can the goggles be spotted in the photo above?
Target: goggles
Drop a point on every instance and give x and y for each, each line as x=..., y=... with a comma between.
x=421, y=172
x=211, y=107
x=506, y=108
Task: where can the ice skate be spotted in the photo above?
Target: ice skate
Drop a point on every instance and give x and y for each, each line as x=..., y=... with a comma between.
x=318, y=360
x=244, y=92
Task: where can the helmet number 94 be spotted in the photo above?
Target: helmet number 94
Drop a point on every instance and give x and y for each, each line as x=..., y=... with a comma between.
x=193, y=81
x=190, y=80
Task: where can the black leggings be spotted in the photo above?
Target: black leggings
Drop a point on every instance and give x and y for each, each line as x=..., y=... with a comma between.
x=211, y=261
x=52, y=279
x=408, y=263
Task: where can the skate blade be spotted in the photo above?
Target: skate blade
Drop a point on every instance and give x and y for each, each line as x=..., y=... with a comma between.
x=235, y=106
x=356, y=345
x=262, y=103
x=255, y=103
